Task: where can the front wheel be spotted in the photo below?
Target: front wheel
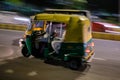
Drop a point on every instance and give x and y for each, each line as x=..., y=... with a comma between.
x=25, y=52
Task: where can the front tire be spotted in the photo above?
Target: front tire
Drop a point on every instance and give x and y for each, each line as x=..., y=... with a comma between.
x=25, y=52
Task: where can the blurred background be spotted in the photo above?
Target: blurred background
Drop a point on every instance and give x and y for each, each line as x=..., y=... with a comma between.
x=100, y=9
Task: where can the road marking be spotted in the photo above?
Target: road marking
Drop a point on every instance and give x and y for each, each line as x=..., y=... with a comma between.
x=10, y=71
x=100, y=59
x=32, y=73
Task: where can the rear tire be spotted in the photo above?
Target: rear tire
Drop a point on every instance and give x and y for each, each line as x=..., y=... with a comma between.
x=74, y=64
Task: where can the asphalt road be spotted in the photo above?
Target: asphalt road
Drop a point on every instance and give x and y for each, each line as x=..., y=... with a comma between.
x=13, y=66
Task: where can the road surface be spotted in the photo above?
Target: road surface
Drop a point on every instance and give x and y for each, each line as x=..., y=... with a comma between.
x=13, y=66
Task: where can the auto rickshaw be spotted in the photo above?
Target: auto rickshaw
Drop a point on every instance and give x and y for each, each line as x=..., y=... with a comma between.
x=59, y=37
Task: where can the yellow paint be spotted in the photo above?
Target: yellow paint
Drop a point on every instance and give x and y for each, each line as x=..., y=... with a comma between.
x=28, y=32
x=37, y=29
x=77, y=31
x=107, y=36
x=89, y=55
x=53, y=17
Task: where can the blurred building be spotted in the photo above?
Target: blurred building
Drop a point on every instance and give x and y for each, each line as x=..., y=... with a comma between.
x=50, y=3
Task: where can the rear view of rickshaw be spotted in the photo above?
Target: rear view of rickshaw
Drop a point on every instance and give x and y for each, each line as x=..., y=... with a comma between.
x=59, y=37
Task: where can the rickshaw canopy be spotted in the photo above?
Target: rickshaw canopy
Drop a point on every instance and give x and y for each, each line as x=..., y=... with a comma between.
x=77, y=29
x=53, y=17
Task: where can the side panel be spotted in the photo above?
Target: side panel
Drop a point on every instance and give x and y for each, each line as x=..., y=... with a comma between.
x=77, y=50
x=74, y=31
x=79, y=30
x=73, y=49
x=29, y=43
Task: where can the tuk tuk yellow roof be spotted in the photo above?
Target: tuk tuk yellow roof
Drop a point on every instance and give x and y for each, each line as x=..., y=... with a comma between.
x=77, y=25
x=58, y=17
x=53, y=17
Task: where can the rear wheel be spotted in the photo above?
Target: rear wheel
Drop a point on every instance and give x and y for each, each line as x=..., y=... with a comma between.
x=83, y=66
x=77, y=65
x=25, y=52
x=74, y=64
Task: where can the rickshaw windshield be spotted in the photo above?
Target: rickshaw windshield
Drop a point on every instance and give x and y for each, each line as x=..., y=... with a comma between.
x=36, y=24
x=39, y=24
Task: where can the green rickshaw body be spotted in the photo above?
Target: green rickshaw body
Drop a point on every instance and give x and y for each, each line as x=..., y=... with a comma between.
x=73, y=43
